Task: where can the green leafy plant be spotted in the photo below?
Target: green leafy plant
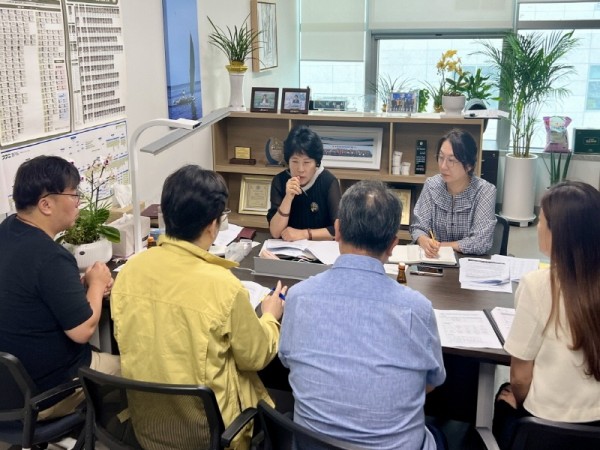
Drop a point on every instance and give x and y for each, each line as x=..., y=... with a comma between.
x=236, y=44
x=477, y=86
x=423, y=99
x=528, y=71
x=90, y=224
x=558, y=173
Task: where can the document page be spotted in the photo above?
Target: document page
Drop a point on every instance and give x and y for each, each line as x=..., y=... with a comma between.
x=484, y=275
x=257, y=292
x=518, y=266
x=504, y=319
x=465, y=329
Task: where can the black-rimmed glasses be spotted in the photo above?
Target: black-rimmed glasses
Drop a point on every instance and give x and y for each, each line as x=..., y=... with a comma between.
x=77, y=196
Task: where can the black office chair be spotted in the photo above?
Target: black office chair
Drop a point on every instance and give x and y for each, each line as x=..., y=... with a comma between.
x=500, y=242
x=162, y=415
x=533, y=433
x=280, y=432
x=20, y=403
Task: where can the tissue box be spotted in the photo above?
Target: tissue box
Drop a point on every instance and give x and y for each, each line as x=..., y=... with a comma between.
x=116, y=213
x=126, y=248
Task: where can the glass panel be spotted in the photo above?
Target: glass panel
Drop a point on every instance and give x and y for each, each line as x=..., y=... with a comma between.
x=559, y=11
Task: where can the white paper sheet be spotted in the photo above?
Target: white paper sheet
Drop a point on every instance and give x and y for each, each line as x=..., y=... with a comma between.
x=257, y=292
x=504, y=318
x=518, y=266
x=466, y=329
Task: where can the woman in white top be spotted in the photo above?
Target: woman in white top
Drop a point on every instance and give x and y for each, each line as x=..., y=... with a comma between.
x=554, y=341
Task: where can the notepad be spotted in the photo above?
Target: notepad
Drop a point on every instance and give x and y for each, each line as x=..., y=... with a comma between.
x=501, y=320
x=413, y=254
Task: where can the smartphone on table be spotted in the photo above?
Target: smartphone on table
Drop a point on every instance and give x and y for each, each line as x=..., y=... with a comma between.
x=423, y=269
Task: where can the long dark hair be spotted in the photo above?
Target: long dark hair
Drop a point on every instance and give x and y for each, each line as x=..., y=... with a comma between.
x=572, y=211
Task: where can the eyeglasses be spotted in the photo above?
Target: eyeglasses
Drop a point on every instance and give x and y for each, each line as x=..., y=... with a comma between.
x=77, y=196
x=449, y=161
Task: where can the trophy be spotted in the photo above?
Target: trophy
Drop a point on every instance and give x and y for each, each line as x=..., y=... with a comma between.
x=274, y=152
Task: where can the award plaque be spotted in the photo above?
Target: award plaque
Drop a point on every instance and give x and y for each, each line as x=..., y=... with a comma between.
x=255, y=195
x=242, y=156
x=274, y=152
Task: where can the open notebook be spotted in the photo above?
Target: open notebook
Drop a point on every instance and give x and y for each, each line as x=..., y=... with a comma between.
x=413, y=254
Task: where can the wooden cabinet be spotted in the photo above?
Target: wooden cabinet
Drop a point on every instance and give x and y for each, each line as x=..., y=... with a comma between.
x=243, y=129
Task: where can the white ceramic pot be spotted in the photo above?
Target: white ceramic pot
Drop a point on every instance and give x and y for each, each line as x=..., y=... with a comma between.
x=453, y=104
x=88, y=254
x=236, y=99
x=518, y=195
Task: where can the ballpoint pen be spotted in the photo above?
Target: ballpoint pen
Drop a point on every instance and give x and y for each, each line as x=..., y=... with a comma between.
x=281, y=296
x=432, y=235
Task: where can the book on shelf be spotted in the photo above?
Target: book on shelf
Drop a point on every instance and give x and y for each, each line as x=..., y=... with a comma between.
x=413, y=254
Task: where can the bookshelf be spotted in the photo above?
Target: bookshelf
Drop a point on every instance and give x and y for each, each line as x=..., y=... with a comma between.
x=246, y=129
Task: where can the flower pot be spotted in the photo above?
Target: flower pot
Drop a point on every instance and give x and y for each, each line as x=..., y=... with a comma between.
x=453, y=104
x=88, y=254
x=237, y=71
x=518, y=195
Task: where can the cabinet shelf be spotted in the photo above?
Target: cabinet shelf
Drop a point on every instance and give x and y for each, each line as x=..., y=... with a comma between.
x=400, y=133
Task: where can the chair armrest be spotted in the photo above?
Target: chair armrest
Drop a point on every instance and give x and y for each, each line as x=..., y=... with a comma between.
x=54, y=392
x=236, y=426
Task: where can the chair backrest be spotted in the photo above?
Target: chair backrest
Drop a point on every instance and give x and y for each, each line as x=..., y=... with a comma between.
x=500, y=242
x=17, y=388
x=533, y=433
x=162, y=416
x=281, y=433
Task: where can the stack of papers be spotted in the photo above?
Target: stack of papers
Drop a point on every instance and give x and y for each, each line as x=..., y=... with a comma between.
x=484, y=275
x=466, y=329
x=518, y=266
x=413, y=254
x=501, y=319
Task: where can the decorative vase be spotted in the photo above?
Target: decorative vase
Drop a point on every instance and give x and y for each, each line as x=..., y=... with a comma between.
x=518, y=194
x=237, y=71
x=453, y=104
x=88, y=254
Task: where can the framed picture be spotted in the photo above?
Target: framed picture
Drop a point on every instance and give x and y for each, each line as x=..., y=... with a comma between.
x=255, y=195
x=263, y=19
x=407, y=102
x=264, y=99
x=184, y=90
x=351, y=147
x=295, y=100
x=405, y=197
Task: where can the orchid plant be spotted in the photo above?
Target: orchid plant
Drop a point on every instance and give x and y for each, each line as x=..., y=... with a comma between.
x=90, y=224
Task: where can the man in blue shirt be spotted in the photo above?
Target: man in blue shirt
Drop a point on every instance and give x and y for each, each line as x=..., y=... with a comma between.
x=362, y=349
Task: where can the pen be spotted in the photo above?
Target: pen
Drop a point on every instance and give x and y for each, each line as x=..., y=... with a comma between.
x=432, y=235
x=281, y=296
x=484, y=261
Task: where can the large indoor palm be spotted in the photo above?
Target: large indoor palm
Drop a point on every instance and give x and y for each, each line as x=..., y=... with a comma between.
x=529, y=72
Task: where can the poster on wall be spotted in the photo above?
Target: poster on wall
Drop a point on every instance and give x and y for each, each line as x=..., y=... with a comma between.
x=184, y=93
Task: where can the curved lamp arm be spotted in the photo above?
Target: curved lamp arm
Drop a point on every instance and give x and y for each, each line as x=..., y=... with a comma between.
x=183, y=128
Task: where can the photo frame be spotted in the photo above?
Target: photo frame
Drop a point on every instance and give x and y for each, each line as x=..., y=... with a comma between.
x=264, y=99
x=295, y=101
x=404, y=102
x=184, y=89
x=351, y=147
x=255, y=195
x=405, y=197
x=263, y=19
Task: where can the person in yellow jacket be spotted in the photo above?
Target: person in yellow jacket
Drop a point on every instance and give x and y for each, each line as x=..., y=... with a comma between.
x=182, y=317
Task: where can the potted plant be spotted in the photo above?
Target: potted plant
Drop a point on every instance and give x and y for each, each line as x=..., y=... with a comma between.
x=90, y=239
x=237, y=45
x=477, y=87
x=453, y=80
x=528, y=71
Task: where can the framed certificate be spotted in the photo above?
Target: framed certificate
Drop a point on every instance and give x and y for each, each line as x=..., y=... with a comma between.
x=255, y=195
x=405, y=197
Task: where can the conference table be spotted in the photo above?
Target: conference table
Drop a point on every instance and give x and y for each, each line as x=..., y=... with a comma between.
x=444, y=293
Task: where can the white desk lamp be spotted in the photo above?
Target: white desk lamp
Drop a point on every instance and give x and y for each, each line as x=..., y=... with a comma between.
x=183, y=128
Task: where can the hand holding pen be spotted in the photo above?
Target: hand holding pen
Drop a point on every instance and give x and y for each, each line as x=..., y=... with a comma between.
x=430, y=245
x=275, y=301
